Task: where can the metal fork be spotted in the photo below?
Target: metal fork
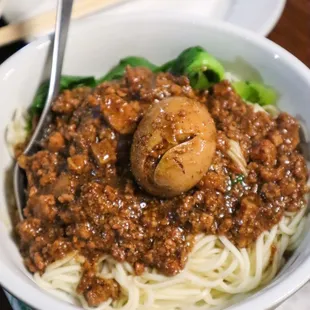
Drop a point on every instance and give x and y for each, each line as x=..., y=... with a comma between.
x=64, y=10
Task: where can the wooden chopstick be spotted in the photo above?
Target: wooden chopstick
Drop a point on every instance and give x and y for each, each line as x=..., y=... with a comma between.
x=44, y=22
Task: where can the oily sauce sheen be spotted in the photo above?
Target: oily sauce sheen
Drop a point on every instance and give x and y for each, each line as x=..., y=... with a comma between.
x=83, y=196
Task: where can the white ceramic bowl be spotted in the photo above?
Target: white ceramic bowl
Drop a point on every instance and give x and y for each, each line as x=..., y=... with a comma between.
x=92, y=49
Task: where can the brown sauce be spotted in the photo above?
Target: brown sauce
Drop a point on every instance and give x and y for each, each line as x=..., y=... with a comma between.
x=83, y=197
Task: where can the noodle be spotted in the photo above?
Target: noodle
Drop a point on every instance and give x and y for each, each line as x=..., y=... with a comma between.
x=235, y=154
x=216, y=271
x=216, y=275
x=15, y=132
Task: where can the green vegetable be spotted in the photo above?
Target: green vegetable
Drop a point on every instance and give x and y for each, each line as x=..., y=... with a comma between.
x=239, y=179
x=256, y=93
x=202, y=69
x=66, y=82
x=37, y=104
x=165, y=67
x=119, y=70
x=70, y=81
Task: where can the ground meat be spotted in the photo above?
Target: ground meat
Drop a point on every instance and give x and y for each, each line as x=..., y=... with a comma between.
x=104, y=151
x=68, y=101
x=29, y=229
x=275, y=137
x=78, y=164
x=265, y=152
x=289, y=129
x=42, y=206
x=82, y=195
x=64, y=187
x=56, y=142
x=97, y=290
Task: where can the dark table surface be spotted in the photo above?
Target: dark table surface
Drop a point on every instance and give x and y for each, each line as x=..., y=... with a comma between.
x=292, y=32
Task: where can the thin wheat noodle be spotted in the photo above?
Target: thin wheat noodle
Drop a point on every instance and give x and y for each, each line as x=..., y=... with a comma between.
x=217, y=272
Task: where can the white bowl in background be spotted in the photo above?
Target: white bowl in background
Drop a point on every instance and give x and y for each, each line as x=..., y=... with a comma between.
x=2, y=6
x=259, y=16
x=92, y=49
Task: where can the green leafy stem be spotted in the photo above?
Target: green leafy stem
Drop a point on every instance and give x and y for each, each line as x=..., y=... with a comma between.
x=202, y=69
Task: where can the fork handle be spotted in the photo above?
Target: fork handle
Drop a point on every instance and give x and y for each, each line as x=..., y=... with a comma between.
x=64, y=9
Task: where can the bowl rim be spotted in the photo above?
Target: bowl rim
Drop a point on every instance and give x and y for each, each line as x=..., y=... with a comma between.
x=35, y=297
x=270, y=24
